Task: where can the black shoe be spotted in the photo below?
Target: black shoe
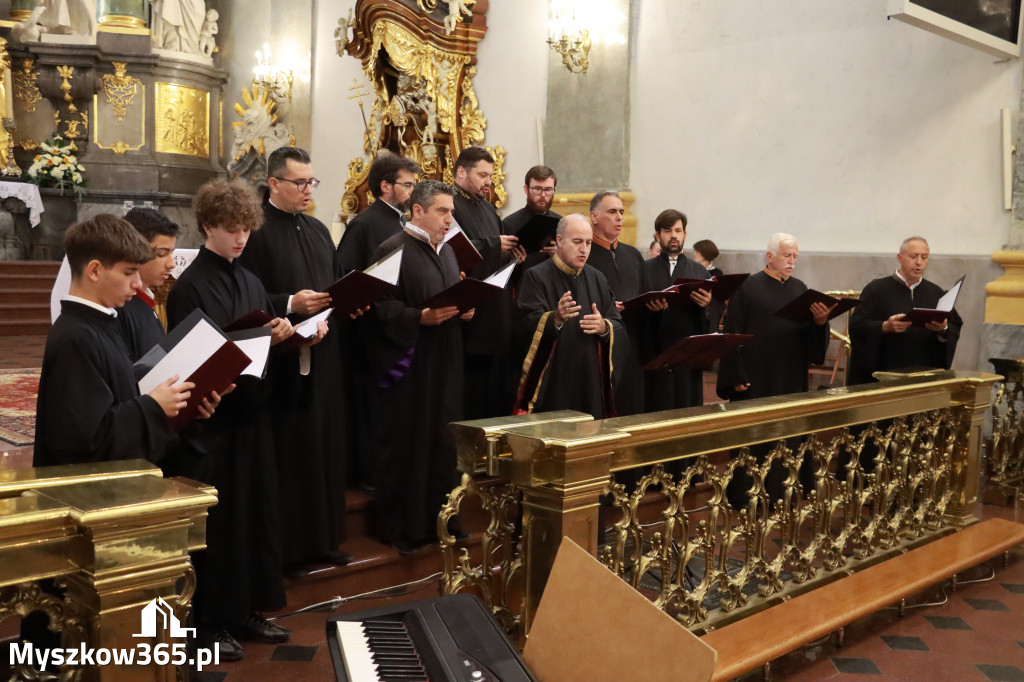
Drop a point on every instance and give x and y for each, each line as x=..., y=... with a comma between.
x=339, y=557
x=296, y=572
x=256, y=628
x=230, y=649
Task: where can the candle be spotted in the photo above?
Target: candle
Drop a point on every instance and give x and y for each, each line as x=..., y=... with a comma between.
x=8, y=94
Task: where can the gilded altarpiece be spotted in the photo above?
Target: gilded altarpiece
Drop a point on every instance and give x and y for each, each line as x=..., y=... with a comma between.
x=424, y=104
x=182, y=120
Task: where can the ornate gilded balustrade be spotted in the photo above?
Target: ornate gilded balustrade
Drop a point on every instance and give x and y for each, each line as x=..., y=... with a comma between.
x=90, y=546
x=885, y=466
x=1006, y=448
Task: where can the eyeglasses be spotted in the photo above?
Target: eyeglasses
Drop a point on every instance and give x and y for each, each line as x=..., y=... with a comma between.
x=302, y=184
x=543, y=190
x=407, y=185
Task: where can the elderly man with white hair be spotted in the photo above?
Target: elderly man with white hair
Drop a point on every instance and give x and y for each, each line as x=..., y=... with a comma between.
x=775, y=361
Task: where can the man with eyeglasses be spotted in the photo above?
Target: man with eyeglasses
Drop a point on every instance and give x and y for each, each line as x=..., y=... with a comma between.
x=293, y=256
x=489, y=375
x=391, y=180
x=540, y=194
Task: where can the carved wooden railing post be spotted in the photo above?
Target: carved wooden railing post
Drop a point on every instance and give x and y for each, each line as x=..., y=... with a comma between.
x=1006, y=449
x=976, y=398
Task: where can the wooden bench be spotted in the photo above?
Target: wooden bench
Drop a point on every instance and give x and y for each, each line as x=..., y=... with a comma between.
x=761, y=638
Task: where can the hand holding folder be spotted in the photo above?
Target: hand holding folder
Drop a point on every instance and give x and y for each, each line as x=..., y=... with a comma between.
x=537, y=233
x=799, y=309
x=467, y=294
x=919, y=317
x=358, y=289
x=721, y=287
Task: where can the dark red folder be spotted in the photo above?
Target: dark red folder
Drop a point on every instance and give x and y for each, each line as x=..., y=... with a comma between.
x=251, y=320
x=216, y=374
x=672, y=296
x=465, y=295
x=355, y=291
x=722, y=287
x=698, y=351
x=465, y=253
x=799, y=309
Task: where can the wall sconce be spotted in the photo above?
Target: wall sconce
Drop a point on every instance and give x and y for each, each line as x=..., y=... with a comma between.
x=276, y=80
x=567, y=36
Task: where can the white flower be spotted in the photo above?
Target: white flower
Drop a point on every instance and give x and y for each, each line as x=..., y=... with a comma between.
x=33, y=171
x=57, y=174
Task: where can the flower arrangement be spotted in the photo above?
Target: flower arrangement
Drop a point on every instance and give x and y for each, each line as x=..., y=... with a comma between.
x=57, y=166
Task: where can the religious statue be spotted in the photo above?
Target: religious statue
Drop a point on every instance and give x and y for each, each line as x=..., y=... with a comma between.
x=177, y=24
x=343, y=33
x=207, y=42
x=74, y=17
x=257, y=135
x=29, y=30
x=456, y=8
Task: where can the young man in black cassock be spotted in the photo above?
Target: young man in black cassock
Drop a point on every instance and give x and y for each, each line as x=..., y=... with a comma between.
x=139, y=323
x=239, y=574
x=572, y=328
x=489, y=372
x=775, y=361
x=417, y=376
x=669, y=389
x=391, y=180
x=623, y=267
x=879, y=337
x=292, y=256
x=539, y=188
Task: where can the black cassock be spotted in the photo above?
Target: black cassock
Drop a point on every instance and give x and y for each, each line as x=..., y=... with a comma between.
x=489, y=373
x=417, y=381
x=681, y=386
x=367, y=231
x=240, y=571
x=624, y=270
x=140, y=325
x=567, y=369
x=289, y=253
x=88, y=408
x=917, y=347
x=775, y=361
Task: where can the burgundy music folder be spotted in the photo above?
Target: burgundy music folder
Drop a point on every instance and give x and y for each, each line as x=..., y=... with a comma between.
x=919, y=317
x=722, y=287
x=799, y=309
x=465, y=253
x=360, y=288
x=698, y=351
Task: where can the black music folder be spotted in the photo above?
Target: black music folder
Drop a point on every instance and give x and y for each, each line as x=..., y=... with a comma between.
x=919, y=317
x=698, y=351
x=469, y=293
x=360, y=288
x=537, y=232
x=722, y=287
x=799, y=309
x=252, y=319
x=672, y=296
x=198, y=351
x=465, y=253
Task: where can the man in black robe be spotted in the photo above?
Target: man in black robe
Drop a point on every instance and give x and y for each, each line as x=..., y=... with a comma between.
x=239, y=574
x=668, y=389
x=292, y=256
x=540, y=194
x=623, y=267
x=489, y=374
x=391, y=180
x=88, y=408
x=417, y=376
x=776, y=360
x=139, y=323
x=881, y=340
x=573, y=328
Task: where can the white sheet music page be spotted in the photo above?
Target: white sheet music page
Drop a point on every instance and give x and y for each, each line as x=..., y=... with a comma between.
x=258, y=349
x=945, y=303
x=307, y=328
x=500, y=278
x=387, y=268
x=185, y=358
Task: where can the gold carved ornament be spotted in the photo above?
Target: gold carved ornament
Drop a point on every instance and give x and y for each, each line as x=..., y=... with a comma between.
x=120, y=89
x=25, y=88
x=67, y=73
x=65, y=616
x=182, y=120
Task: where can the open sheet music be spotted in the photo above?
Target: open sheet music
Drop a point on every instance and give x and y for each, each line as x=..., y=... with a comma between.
x=919, y=317
x=469, y=293
x=358, y=289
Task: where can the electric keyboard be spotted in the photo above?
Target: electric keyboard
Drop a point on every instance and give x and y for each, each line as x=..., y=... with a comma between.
x=444, y=639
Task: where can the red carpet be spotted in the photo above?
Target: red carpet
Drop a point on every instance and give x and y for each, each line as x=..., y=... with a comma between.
x=18, y=388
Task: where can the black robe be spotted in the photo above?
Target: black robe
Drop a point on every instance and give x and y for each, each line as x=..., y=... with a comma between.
x=625, y=274
x=917, y=347
x=289, y=253
x=88, y=408
x=240, y=571
x=775, y=361
x=682, y=386
x=141, y=327
x=417, y=382
x=489, y=371
x=567, y=369
x=367, y=231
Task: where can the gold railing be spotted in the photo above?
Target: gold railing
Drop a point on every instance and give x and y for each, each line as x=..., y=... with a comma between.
x=1006, y=448
x=90, y=546
x=910, y=451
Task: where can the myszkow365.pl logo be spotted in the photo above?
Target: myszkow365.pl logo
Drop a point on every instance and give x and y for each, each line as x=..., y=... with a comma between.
x=157, y=616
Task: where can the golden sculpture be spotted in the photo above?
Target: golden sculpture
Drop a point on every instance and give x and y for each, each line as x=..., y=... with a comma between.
x=120, y=89
x=25, y=88
x=67, y=73
x=425, y=106
x=182, y=120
